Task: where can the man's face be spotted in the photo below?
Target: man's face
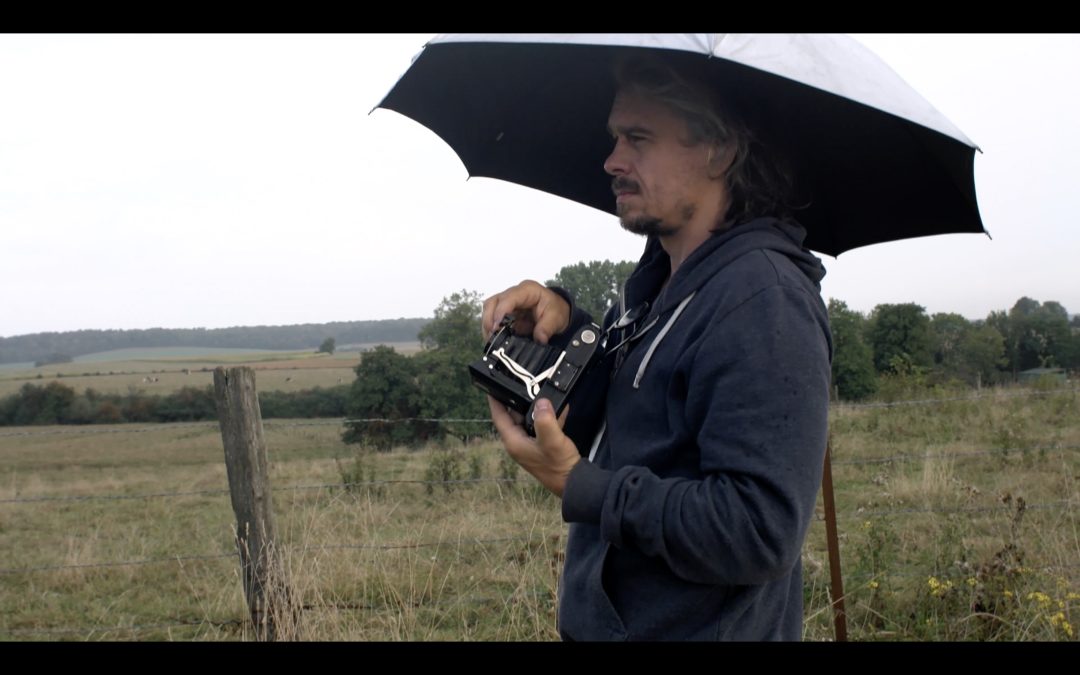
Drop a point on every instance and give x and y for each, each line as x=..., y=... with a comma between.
x=659, y=183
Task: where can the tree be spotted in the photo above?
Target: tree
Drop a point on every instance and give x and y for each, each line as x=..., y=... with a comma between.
x=451, y=342
x=327, y=347
x=1036, y=335
x=434, y=384
x=853, y=361
x=981, y=354
x=385, y=392
x=595, y=285
x=456, y=325
x=1070, y=353
x=948, y=331
x=1049, y=334
x=447, y=393
x=900, y=333
x=999, y=321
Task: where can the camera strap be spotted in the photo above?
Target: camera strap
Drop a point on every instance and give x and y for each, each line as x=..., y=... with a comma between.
x=629, y=318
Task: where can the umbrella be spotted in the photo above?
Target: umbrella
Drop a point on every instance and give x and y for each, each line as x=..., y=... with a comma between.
x=877, y=161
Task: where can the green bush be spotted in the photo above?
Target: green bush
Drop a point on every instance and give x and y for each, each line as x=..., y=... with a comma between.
x=444, y=467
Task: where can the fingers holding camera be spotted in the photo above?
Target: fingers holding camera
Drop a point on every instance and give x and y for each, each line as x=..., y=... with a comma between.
x=550, y=456
x=539, y=311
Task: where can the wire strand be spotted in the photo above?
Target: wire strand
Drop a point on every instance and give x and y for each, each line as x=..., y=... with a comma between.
x=323, y=547
x=977, y=397
x=959, y=509
x=954, y=455
x=123, y=563
x=89, y=630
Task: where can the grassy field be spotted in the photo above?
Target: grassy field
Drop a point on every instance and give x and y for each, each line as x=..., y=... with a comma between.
x=957, y=522
x=163, y=371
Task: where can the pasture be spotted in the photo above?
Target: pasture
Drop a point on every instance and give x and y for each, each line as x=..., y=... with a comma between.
x=164, y=370
x=957, y=518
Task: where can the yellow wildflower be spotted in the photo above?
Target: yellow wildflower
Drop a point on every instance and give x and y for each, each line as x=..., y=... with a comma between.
x=1039, y=597
x=867, y=525
x=938, y=588
x=1008, y=594
x=1072, y=596
x=971, y=582
x=1058, y=620
x=872, y=585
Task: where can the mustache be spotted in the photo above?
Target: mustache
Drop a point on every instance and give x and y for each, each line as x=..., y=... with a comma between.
x=624, y=184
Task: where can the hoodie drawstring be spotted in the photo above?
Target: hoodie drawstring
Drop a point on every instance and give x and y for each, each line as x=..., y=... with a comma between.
x=659, y=337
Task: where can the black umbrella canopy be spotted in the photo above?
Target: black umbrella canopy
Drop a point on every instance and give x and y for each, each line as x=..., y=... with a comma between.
x=536, y=114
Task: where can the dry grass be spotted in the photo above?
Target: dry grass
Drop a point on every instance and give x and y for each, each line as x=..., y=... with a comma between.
x=970, y=509
x=391, y=561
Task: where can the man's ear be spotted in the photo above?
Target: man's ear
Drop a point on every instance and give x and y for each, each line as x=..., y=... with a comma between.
x=719, y=159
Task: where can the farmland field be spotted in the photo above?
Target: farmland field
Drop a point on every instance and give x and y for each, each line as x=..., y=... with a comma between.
x=164, y=370
x=957, y=520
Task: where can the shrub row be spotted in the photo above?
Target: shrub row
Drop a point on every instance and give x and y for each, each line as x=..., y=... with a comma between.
x=56, y=403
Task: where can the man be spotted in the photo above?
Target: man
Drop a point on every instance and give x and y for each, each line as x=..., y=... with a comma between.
x=688, y=513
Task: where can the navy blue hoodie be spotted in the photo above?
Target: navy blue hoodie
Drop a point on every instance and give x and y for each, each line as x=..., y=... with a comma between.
x=688, y=523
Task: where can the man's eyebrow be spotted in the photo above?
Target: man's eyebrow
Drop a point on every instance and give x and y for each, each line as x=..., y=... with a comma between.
x=627, y=130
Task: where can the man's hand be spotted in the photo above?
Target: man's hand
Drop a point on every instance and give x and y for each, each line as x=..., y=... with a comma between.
x=550, y=456
x=540, y=311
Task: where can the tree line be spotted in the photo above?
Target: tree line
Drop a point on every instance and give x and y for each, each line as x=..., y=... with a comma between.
x=45, y=348
x=894, y=342
x=871, y=352
x=902, y=340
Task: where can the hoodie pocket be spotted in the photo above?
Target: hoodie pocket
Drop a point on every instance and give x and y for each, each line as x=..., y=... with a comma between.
x=606, y=608
x=586, y=612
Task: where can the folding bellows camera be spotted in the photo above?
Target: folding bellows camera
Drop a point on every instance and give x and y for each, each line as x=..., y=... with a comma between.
x=517, y=371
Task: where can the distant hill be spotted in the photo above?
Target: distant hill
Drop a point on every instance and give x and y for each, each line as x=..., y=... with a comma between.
x=50, y=346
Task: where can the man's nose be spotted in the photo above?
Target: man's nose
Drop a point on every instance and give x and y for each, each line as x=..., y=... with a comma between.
x=615, y=164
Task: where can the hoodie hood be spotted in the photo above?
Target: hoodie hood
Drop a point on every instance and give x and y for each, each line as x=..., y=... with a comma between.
x=784, y=237
x=770, y=234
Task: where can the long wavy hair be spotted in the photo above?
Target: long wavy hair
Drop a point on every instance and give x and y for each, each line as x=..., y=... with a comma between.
x=759, y=181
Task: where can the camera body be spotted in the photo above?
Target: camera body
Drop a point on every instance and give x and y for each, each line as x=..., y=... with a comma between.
x=517, y=371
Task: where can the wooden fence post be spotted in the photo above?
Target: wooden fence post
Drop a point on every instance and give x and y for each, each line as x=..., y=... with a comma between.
x=833, y=543
x=265, y=586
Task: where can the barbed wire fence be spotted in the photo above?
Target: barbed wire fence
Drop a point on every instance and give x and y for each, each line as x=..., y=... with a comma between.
x=338, y=421
x=1066, y=507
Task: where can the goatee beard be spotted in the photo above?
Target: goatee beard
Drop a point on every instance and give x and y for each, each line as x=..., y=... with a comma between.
x=651, y=226
x=647, y=226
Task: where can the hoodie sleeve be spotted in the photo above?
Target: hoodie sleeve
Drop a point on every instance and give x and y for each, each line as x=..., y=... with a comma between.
x=578, y=318
x=756, y=387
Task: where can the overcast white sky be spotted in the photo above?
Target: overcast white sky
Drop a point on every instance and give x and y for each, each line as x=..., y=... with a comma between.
x=184, y=181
